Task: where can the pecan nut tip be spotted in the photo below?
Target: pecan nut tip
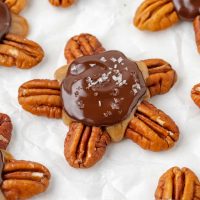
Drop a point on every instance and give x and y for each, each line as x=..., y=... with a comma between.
x=84, y=145
x=152, y=129
x=24, y=179
x=155, y=15
x=178, y=184
x=82, y=45
x=41, y=97
x=162, y=76
x=62, y=3
x=18, y=51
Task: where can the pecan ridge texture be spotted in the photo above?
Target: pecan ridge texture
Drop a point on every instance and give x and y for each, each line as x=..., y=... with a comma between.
x=195, y=94
x=62, y=3
x=24, y=179
x=155, y=15
x=162, y=76
x=84, y=145
x=82, y=45
x=41, y=97
x=18, y=51
x=178, y=184
x=5, y=130
x=152, y=129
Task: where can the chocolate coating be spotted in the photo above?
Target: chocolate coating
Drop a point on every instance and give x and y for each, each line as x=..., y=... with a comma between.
x=102, y=89
x=5, y=19
x=187, y=9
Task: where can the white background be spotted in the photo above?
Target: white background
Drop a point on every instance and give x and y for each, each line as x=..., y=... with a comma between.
x=126, y=172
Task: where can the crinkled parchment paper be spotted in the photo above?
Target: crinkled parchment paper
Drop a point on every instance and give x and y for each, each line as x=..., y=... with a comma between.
x=126, y=172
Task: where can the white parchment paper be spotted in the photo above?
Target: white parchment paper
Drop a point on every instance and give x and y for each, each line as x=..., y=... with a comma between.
x=126, y=172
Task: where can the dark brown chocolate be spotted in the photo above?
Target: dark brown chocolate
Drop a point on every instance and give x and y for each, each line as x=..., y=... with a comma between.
x=187, y=9
x=5, y=19
x=102, y=89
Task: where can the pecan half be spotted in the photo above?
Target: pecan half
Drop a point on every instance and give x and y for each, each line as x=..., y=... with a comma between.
x=41, y=97
x=152, y=129
x=161, y=76
x=155, y=15
x=178, y=184
x=195, y=94
x=19, y=26
x=16, y=6
x=84, y=145
x=62, y=3
x=16, y=50
x=23, y=179
x=82, y=45
x=196, y=25
x=5, y=130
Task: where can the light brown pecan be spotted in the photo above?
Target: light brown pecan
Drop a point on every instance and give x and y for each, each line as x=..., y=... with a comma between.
x=161, y=76
x=41, y=97
x=196, y=25
x=195, y=94
x=24, y=179
x=19, y=26
x=84, y=145
x=152, y=129
x=82, y=45
x=5, y=130
x=18, y=51
x=178, y=184
x=62, y=3
x=16, y=6
x=155, y=15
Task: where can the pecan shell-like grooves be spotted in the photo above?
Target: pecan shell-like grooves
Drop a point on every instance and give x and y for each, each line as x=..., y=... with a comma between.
x=196, y=25
x=23, y=179
x=178, y=184
x=161, y=76
x=82, y=45
x=5, y=130
x=18, y=51
x=41, y=97
x=195, y=94
x=62, y=3
x=16, y=6
x=84, y=145
x=155, y=15
x=152, y=129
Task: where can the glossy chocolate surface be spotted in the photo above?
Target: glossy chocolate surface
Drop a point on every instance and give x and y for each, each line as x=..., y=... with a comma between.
x=187, y=9
x=102, y=89
x=5, y=19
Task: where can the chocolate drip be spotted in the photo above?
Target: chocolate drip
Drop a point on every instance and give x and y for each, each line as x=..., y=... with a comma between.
x=5, y=19
x=187, y=9
x=102, y=89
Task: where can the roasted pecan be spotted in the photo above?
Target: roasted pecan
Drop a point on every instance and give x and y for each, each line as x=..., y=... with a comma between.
x=196, y=25
x=62, y=3
x=60, y=73
x=84, y=145
x=82, y=45
x=16, y=50
x=15, y=5
x=161, y=76
x=23, y=179
x=155, y=15
x=195, y=94
x=19, y=26
x=178, y=184
x=152, y=129
x=5, y=130
x=41, y=97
